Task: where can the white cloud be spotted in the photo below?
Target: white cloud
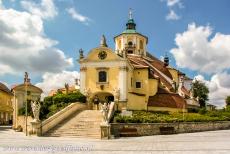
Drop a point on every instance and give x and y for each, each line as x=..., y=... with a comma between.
x=196, y=50
x=1, y=5
x=46, y=9
x=200, y=50
x=77, y=16
x=24, y=46
x=171, y=3
x=57, y=80
x=219, y=88
x=172, y=16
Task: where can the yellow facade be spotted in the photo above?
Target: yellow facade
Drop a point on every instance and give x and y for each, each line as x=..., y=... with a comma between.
x=174, y=74
x=125, y=75
x=6, y=109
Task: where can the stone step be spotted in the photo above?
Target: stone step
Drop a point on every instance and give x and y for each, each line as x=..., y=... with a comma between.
x=74, y=133
x=83, y=124
x=72, y=136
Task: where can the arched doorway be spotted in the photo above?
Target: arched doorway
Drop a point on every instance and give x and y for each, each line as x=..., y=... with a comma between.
x=100, y=98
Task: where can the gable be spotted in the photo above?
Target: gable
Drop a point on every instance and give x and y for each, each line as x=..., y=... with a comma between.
x=94, y=54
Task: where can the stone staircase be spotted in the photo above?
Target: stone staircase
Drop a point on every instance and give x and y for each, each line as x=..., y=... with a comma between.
x=84, y=123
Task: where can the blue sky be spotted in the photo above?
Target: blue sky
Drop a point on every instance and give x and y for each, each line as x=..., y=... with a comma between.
x=96, y=17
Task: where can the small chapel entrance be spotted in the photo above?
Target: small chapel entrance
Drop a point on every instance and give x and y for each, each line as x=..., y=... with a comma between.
x=101, y=98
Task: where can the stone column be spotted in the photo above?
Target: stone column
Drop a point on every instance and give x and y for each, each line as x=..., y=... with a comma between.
x=123, y=83
x=6, y=117
x=82, y=79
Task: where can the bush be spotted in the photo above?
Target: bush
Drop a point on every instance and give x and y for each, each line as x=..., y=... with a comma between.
x=22, y=111
x=53, y=104
x=156, y=117
x=202, y=111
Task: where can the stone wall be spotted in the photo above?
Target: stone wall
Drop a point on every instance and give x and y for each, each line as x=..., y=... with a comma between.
x=146, y=129
x=21, y=120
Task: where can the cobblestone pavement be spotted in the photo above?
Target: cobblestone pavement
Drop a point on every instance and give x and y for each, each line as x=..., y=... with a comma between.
x=212, y=142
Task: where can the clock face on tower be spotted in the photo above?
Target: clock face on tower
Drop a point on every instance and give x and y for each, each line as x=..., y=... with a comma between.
x=102, y=55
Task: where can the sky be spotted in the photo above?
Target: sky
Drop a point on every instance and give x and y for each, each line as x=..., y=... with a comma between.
x=43, y=37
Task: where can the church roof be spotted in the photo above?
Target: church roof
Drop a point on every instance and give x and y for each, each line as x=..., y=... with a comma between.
x=5, y=89
x=156, y=68
x=185, y=91
x=23, y=86
x=163, y=98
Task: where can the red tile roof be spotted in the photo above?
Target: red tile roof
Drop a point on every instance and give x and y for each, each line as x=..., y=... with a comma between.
x=166, y=99
x=156, y=66
x=5, y=88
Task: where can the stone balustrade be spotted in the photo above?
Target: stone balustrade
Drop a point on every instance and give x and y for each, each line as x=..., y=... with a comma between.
x=60, y=116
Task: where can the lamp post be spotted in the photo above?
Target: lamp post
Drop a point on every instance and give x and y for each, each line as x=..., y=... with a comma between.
x=26, y=81
x=26, y=105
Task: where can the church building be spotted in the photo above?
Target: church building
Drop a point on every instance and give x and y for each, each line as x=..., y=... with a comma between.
x=132, y=77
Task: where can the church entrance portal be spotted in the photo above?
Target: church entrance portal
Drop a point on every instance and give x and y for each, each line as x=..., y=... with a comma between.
x=101, y=98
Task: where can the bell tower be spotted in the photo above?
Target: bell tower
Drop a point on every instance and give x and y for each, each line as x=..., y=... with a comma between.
x=130, y=41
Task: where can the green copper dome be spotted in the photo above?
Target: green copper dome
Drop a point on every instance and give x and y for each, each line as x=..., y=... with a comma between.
x=130, y=24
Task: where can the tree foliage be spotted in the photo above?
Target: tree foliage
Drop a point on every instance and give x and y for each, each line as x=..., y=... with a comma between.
x=53, y=104
x=200, y=91
x=227, y=100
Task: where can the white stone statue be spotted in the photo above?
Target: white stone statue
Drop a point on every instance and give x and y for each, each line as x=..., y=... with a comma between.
x=105, y=111
x=116, y=92
x=35, y=105
x=87, y=92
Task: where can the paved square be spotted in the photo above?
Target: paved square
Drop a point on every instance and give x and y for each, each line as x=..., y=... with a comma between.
x=212, y=142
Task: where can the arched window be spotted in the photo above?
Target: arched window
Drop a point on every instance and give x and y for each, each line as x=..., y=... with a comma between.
x=130, y=43
x=102, y=76
x=141, y=44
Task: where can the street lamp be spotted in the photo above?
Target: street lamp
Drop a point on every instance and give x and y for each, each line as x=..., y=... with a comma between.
x=26, y=81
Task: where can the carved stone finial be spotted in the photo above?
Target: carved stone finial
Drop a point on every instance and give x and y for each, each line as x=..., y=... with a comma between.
x=77, y=82
x=166, y=60
x=103, y=41
x=81, y=54
x=67, y=88
x=26, y=78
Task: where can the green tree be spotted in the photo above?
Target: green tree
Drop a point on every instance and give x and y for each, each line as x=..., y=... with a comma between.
x=227, y=100
x=200, y=91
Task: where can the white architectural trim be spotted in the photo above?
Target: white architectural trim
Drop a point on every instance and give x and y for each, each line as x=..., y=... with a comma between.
x=104, y=63
x=123, y=83
x=82, y=81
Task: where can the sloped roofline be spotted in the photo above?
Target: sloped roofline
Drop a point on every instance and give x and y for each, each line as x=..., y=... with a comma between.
x=22, y=85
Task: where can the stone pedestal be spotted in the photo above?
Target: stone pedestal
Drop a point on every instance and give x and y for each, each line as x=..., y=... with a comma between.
x=35, y=128
x=105, y=131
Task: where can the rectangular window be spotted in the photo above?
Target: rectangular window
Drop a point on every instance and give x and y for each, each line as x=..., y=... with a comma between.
x=138, y=84
x=102, y=76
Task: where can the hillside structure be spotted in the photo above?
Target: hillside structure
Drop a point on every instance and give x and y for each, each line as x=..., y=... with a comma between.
x=132, y=77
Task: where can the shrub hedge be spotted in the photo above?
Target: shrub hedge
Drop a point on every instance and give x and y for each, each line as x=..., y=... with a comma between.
x=153, y=117
x=52, y=104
